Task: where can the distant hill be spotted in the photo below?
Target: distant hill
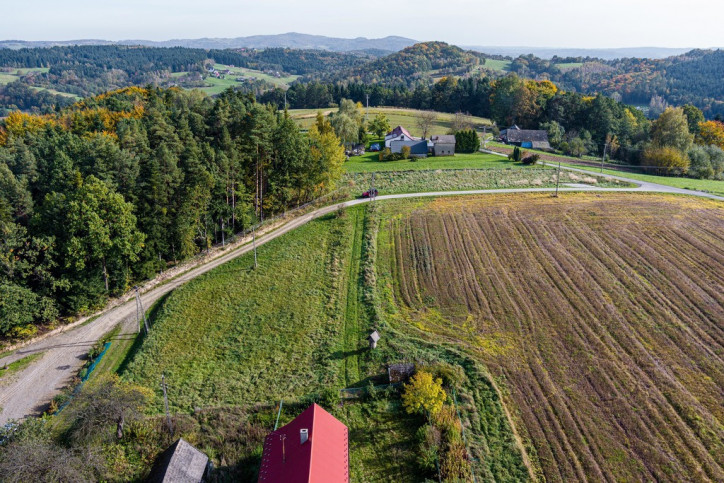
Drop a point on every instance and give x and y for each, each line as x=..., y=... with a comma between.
x=605, y=54
x=289, y=40
x=419, y=62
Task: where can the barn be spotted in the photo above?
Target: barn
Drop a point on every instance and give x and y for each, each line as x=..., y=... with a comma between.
x=312, y=448
x=525, y=138
x=443, y=145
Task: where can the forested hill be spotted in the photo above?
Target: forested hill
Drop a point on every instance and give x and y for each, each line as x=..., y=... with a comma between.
x=41, y=79
x=34, y=77
x=692, y=78
x=110, y=191
x=419, y=63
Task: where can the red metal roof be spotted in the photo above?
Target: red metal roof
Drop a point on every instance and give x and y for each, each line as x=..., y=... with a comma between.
x=400, y=130
x=323, y=458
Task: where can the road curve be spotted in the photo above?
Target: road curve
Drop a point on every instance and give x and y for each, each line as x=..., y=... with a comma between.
x=29, y=392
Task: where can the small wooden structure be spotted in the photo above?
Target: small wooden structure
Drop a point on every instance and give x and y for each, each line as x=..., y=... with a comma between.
x=180, y=463
x=400, y=372
x=373, y=338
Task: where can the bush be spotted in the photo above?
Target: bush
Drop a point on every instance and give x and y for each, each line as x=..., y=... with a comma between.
x=531, y=159
x=516, y=155
x=405, y=152
x=423, y=394
x=670, y=160
x=428, y=439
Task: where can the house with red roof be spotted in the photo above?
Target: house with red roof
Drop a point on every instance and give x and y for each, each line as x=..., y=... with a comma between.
x=399, y=134
x=313, y=448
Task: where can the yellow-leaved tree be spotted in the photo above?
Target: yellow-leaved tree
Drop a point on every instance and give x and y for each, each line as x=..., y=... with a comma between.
x=423, y=394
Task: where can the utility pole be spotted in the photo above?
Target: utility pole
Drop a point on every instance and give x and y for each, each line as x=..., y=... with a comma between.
x=253, y=242
x=367, y=112
x=558, y=177
x=372, y=188
x=139, y=305
x=285, y=101
x=604, y=155
x=165, y=402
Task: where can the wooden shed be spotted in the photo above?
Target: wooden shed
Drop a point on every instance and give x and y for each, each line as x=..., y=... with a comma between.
x=180, y=463
x=400, y=372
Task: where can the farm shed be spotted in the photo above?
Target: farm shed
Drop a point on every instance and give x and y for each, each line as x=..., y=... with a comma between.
x=312, y=448
x=525, y=138
x=180, y=463
x=417, y=148
x=400, y=372
x=443, y=145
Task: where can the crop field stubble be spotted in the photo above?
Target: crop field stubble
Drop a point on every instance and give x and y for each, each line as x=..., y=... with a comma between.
x=600, y=317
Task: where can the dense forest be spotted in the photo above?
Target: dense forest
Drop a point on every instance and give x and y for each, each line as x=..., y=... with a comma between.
x=120, y=186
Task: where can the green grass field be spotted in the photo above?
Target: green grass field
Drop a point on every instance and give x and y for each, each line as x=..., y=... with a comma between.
x=278, y=81
x=58, y=93
x=397, y=117
x=370, y=162
x=708, y=185
x=499, y=65
x=15, y=74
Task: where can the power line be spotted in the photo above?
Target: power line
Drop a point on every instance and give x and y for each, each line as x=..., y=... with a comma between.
x=165, y=402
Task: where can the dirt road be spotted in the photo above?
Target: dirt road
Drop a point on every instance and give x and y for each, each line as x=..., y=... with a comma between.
x=28, y=392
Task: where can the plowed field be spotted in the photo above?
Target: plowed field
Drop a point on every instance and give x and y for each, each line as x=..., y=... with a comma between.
x=600, y=317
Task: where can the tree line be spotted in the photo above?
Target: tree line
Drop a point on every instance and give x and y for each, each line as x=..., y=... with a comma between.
x=120, y=186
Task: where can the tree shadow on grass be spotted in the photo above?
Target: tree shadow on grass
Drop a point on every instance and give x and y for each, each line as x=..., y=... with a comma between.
x=139, y=338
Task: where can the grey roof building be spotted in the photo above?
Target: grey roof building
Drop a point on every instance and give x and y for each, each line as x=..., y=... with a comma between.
x=417, y=148
x=525, y=138
x=180, y=463
x=443, y=145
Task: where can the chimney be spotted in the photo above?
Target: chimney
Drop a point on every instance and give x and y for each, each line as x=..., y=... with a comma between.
x=303, y=435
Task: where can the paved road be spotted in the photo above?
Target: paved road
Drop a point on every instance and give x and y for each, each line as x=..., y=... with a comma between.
x=28, y=392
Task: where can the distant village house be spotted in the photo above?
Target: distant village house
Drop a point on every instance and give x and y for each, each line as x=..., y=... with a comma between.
x=442, y=145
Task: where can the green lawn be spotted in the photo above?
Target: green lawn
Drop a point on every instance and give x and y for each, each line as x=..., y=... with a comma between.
x=499, y=65
x=396, y=116
x=370, y=162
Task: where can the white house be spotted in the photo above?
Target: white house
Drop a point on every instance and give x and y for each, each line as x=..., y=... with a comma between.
x=399, y=134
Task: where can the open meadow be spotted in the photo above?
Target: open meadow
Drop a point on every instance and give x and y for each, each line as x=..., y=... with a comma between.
x=397, y=117
x=599, y=317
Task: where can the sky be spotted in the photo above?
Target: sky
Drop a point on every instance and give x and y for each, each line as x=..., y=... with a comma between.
x=538, y=23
